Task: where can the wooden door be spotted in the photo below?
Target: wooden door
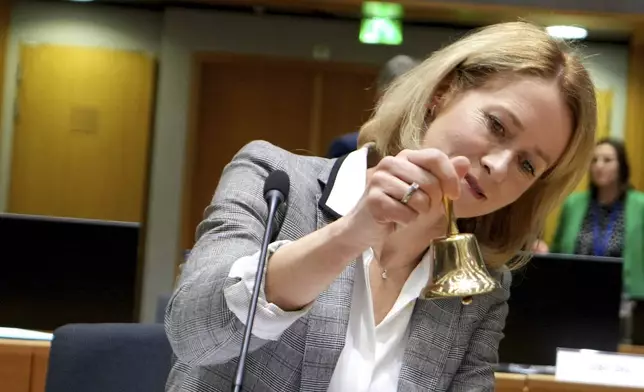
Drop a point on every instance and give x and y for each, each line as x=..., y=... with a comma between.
x=298, y=105
x=82, y=131
x=239, y=102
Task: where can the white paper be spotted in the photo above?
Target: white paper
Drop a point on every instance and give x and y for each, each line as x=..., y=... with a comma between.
x=24, y=334
x=600, y=368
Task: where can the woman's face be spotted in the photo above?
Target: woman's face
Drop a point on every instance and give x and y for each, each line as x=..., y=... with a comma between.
x=511, y=131
x=604, y=168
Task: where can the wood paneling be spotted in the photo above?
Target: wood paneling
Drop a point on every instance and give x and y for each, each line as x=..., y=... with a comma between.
x=243, y=102
x=634, y=130
x=82, y=132
x=298, y=105
x=15, y=369
x=23, y=365
x=5, y=12
x=39, y=365
x=347, y=102
x=631, y=349
x=506, y=382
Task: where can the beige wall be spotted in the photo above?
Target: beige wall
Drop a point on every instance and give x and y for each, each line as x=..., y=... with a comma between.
x=608, y=66
x=173, y=36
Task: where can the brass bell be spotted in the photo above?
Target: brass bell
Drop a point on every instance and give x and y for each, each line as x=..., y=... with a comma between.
x=459, y=269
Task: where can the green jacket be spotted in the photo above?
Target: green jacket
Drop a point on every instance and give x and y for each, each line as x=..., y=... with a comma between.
x=572, y=217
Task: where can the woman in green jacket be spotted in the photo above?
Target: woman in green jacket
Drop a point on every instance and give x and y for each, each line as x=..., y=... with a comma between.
x=608, y=219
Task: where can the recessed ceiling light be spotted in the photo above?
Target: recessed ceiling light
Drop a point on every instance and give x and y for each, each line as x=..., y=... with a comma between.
x=567, y=32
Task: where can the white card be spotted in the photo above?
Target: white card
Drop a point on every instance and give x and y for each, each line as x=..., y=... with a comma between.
x=600, y=368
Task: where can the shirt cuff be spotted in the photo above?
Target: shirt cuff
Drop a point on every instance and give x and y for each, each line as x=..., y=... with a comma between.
x=270, y=320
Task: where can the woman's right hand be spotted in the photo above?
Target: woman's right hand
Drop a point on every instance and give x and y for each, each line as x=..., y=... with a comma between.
x=380, y=209
x=299, y=272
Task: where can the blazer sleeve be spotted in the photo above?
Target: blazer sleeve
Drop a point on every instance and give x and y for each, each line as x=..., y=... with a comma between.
x=200, y=326
x=270, y=320
x=476, y=372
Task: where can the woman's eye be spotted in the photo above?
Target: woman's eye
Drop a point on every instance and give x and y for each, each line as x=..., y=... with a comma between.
x=527, y=167
x=495, y=125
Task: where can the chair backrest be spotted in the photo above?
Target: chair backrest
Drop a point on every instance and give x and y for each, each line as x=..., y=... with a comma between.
x=109, y=358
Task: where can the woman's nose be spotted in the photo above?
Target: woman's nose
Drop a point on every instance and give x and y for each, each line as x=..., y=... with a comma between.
x=497, y=164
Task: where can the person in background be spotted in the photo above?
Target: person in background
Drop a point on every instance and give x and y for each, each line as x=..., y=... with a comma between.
x=394, y=68
x=607, y=219
x=502, y=122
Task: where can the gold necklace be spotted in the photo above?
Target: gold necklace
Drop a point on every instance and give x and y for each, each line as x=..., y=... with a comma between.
x=383, y=271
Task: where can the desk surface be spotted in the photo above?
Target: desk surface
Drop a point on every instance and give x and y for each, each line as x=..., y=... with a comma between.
x=547, y=383
x=23, y=365
x=631, y=349
x=24, y=343
x=507, y=382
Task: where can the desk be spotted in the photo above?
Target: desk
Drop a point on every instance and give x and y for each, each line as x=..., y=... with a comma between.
x=630, y=349
x=23, y=365
x=507, y=382
x=543, y=383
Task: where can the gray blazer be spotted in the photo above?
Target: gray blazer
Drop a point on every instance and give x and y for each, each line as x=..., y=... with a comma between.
x=451, y=347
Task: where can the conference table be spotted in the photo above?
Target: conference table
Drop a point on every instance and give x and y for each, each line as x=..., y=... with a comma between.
x=23, y=368
x=23, y=365
x=546, y=383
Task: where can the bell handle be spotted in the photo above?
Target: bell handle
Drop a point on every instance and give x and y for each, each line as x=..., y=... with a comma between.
x=452, y=229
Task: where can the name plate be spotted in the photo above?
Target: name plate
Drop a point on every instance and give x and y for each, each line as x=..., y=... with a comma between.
x=600, y=368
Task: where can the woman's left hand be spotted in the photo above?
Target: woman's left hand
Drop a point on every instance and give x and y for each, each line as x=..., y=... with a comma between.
x=540, y=247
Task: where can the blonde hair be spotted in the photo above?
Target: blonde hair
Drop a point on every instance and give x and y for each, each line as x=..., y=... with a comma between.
x=517, y=48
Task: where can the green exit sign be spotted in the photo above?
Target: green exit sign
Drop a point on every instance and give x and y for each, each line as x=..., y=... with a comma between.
x=381, y=23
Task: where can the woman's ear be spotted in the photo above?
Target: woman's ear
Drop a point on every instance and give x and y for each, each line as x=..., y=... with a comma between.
x=433, y=106
x=436, y=100
x=442, y=93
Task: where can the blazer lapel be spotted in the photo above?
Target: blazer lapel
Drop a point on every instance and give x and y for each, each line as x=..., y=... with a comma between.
x=328, y=319
x=432, y=332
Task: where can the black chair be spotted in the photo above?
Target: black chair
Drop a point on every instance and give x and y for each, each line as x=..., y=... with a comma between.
x=109, y=358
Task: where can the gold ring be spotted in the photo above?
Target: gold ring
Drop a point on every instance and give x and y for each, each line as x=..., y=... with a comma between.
x=410, y=192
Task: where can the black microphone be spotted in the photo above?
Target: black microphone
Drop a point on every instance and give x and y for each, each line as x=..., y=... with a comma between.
x=275, y=193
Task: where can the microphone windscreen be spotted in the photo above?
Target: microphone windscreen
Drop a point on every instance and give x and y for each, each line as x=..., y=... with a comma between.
x=277, y=181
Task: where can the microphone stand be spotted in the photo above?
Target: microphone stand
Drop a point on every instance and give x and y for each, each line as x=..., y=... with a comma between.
x=274, y=198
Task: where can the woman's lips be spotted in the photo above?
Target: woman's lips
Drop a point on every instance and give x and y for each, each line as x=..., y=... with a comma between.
x=474, y=187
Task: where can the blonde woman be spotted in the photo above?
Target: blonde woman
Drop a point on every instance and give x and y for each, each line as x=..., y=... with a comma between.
x=501, y=121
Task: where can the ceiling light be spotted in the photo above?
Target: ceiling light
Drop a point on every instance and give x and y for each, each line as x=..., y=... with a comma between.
x=567, y=32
